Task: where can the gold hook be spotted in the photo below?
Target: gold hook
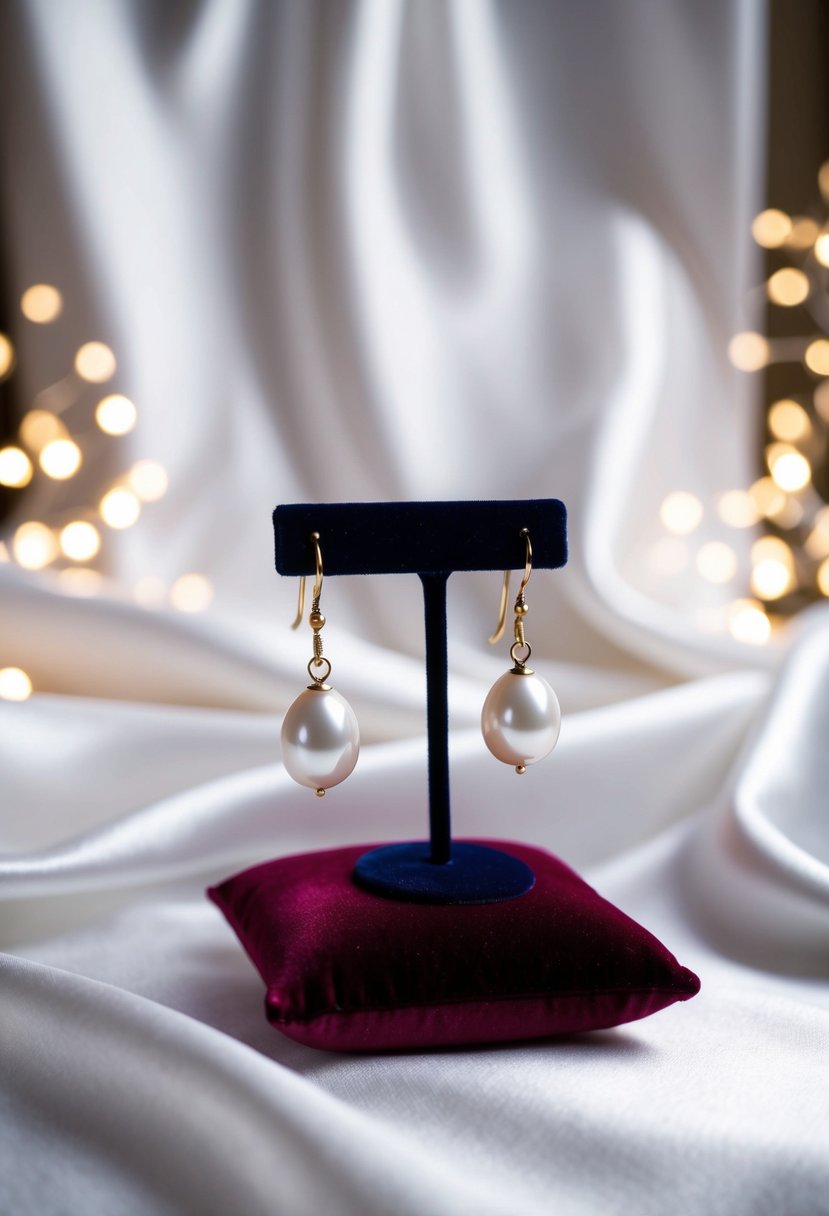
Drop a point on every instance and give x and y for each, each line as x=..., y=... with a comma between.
x=318, y=577
x=502, y=608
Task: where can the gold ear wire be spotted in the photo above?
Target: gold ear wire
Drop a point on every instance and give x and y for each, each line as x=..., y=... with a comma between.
x=502, y=611
x=502, y=608
x=318, y=577
x=300, y=607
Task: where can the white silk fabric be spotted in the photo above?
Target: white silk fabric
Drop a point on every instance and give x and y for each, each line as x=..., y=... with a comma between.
x=399, y=250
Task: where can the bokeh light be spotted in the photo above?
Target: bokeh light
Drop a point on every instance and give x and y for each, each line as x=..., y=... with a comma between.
x=747, y=622
x=771, y=228
x=15, y=468
x=681, y=512
x=816, y=357
x=148, y=479
x=191, y=593
x=95, y=362
x=34, y=545
x=823, y=578
x=41, y=303
x=116, y=415
x=40, y=427
x=788, y=287
x=15, y=684
x=768, y=498
x=748, y=351
x=738, y=509
x=789, y=421
x=822, y=249
x=816, y=544
x=119, y=508
x=80, y=541
x=804, y=232
x=6, y=356
x=60, y=459
x=790, y=470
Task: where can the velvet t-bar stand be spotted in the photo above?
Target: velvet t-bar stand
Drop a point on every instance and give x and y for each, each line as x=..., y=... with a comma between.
x=432, y=540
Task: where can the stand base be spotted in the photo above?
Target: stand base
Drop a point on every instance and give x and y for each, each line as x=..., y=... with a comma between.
x=476, y=874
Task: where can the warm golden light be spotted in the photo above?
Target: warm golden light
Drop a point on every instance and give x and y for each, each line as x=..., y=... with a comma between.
x=34, y=545
x=823, y=179
x=789, y=421
x=681, y=512
x=772, y=548
x=41, y=303
x=80, y=541
x=119, y=508
x=788, y=287
x=95, y=362
x=6, y=356
x=823, y=578
x=115, y=415
x=748, y=351
x=15, y=685
x=717, y=562
x=747, y=622
x=40, y=427
x=149, y=480
x=821, y=400
x=771, y=228
x=822, y=249
x=803, y=234
x=4, y=553
x=60, y=459
x=15, y=468
x=767, y=497
x=80, y=581
x=150, y=591
x=816, y=544
x=191, y=593
x=817, y=357
x=791, y=471
x=737, y=508
x=770, y=579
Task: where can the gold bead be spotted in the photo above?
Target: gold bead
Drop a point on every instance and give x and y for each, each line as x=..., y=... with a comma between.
x=320, y=793
x=520, y=768
x=521, y=608
x=316, y=620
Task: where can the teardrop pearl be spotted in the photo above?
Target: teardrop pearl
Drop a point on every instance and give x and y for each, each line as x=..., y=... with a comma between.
x=521, y=718
x=320, y=738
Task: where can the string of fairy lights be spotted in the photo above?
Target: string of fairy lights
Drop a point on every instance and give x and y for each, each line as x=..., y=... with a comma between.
x=789, y=559
x=62, y=432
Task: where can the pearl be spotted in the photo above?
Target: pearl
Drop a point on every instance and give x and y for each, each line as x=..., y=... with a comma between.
x=320, y=739
x=521, y=718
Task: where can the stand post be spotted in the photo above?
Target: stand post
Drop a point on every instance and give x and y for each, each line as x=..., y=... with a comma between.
x=437, y=716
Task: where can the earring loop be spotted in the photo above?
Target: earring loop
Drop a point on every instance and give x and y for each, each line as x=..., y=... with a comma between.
x=320, y=735
x=521, y=718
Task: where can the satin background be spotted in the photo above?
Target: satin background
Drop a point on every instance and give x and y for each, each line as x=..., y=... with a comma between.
x=390, y=250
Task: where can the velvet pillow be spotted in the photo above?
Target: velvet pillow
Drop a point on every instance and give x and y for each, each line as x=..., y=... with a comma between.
x=346, y=970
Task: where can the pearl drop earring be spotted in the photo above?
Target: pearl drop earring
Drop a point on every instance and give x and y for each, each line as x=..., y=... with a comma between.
x=521, y=718
x=320, y=735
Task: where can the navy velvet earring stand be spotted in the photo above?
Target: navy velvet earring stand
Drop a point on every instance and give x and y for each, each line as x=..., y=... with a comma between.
x=432, y=540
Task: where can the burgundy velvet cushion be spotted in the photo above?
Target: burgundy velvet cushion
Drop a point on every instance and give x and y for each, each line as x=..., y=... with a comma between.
x=346, y=970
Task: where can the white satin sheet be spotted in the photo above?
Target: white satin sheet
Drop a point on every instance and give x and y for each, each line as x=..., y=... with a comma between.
x=390, y=250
